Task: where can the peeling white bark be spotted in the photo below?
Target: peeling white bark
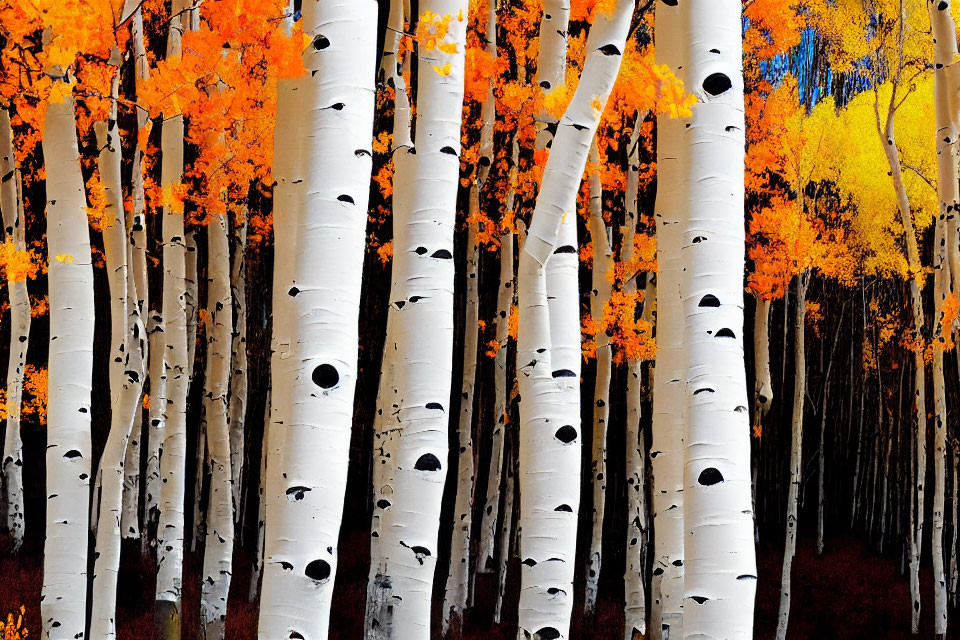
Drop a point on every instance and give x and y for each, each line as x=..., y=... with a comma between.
x=548, y=359
x=64, y=596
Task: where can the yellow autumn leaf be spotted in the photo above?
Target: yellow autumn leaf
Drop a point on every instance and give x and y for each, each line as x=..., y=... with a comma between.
x=66, y=258
x=443, y=71
x=448, y=47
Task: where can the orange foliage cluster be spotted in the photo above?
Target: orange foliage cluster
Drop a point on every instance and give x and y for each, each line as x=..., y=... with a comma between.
x=14, y=629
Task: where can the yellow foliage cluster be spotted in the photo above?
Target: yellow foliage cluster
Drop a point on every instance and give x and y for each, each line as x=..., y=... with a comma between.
x=14, y=629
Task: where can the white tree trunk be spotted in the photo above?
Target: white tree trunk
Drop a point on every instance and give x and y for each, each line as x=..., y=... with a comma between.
x=170, y=527
x=945, y=42
x=506, y=530
x=338, y=111
x=383, y=456
x=720, y=568
x=796, y=453
x=458, y=578
x=426, y=184
x=14, y=231
x=64, y=599
x=238, y=376
x=666, y=451
x=635, y=596
x=256, y=571
x=599, y=298
x=126, y=380
x=192, y=298
x=287, y=171
x=157, y=418
x=505, y=299
x=549, y=420
x=218, y=550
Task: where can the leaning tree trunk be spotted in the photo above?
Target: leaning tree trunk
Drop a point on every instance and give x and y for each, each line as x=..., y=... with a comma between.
x=720, y=567
x=14, y=232
x=63, y=603
x=796, y=453
x=945, y=43
x=600, y=297
x=666, y=453
x=170, y=527
x=126, y=381
x=299, y=574
x=549, y=441
x=426, y=184
x=218, y=550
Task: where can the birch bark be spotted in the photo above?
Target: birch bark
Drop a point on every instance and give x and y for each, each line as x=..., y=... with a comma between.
x=70, y=361
x=550, y=454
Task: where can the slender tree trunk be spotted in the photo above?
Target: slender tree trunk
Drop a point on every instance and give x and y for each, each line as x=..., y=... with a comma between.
x=666, y=453
x=506, y=531
x=238, y=375
x=505, y=296
x=157, y=417
x=63, y=602
x=331, y=231
x=796, y=453
x=426, y=183
x=14, y=231
x=635, y=595
x=218, y=552
x=126, y=381
x=170, y=527
x=945, y=42
x=550, y=454
x=383, y=452
x=458, y=579
x=600, y=297
x=256, y=571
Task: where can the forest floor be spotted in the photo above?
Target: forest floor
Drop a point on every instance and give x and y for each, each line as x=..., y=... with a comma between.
x=849, y=593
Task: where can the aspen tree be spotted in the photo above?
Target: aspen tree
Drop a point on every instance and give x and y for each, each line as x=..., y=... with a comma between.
x=550, y=454
x=256, y=571
x=338, y=111
x=170, y=527
x=635, y=606
x=666, y=453
x=505, y=297
x=600, y=297
x=156, y=419
x=288, y=172
x=720, y=571
x=126, y=378
x=384, y=455
x=238, y=358
x=459, y=578
x=887, y=137
x=11, y=206
x=796, y=452
x=218, y=551
x=945, y=53
x=137, y=268
x=426, y=184
x=64, y=596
